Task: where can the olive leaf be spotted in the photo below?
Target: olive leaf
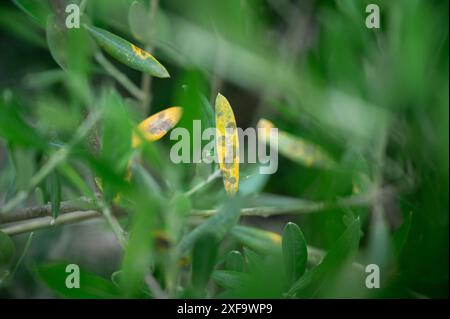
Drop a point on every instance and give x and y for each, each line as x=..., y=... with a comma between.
x=127, y=53
x=157, y=125
x=262, y=241
x=296, y=148
x=227, y=143
x=295, y=253
x=92, y=286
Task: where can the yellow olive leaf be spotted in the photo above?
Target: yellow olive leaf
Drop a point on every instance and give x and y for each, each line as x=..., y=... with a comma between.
x=227, y=144
x=296, y=148
x=157, y=125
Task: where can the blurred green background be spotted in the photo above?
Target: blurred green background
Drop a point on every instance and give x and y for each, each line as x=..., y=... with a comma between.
x=375, y=100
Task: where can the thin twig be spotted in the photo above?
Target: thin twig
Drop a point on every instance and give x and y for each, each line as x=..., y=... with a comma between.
x=55, y=159
x=119, y=76
x=154, y=287
x=75, y=216
x=199, y=186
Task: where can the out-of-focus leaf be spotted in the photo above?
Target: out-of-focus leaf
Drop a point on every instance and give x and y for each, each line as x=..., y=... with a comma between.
x=24, y=166
x=37, y=10
x=217, y=225
x=14, y=129
x=342, y=251
x=179, y=209
x=204, y=256
x=73, y=176
x=127, y=53
x=296, y=148
x=19, y=25
x=116, y=141
x=7, y=251
x=139, y=252
x=253, y=261
x=54, y=188
x=92, y=286
x=69, y=47
x=230, y=279
x=44, y=79
x=139, y=19
x=262, y=241
x=295, y=253
x=157, y=125
x=227, y=144
x=234, y=261
x=401, y=235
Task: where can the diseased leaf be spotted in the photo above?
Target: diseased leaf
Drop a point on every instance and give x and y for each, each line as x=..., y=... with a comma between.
x=234, y=261
x=92, y=286
x=227, y=144
x=127, y=53
x=262, y=241
x=295, y=253
x=296, y=148
x=157, y=125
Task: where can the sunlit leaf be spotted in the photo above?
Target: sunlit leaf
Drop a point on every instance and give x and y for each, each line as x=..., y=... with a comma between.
x=157, y=125
x=295, y=253
x=296, y=148
x=127, y=53
x=227, y=144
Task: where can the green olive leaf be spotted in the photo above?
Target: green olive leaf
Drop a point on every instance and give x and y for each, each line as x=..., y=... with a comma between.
x=127, y=53
x=295, y=253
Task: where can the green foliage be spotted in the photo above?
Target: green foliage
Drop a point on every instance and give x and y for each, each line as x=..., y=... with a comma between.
x=92, y=286
x=295, y=253
x=363, y=149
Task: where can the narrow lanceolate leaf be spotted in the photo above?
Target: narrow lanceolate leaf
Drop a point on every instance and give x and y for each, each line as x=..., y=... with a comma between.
x=227, y=144
x=157, y=125
x=297, y=149
x=342, y=251
x=203, y=260
x=217, y=225
x=57, y=276
x=127, y=53
x=295, y=253
x=262, y=241
x=7, y=250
